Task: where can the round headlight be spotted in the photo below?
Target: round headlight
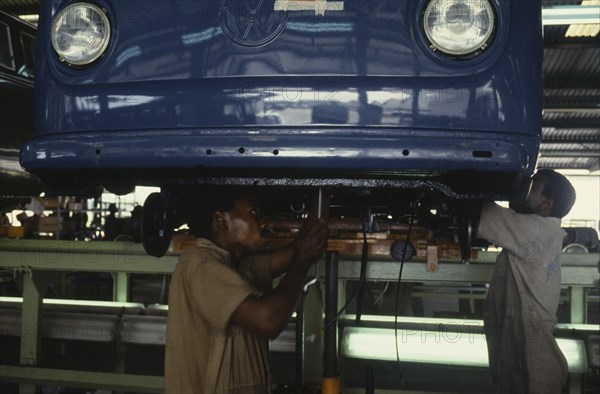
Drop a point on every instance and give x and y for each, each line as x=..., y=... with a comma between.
x=80, y=33
x=458, y=27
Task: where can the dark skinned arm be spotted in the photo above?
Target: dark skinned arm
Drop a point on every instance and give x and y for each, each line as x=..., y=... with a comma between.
x=267, y=316
x=281, y=258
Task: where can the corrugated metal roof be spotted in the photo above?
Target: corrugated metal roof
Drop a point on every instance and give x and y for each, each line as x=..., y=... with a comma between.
x=568, y=163
x=566, y=62
x=550, y=134
x=571, y=119
x=577, y=149
x=572, y=116
x=20, y=6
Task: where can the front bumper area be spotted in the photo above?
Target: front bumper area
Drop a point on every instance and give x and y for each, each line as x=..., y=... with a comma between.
x=370, y=158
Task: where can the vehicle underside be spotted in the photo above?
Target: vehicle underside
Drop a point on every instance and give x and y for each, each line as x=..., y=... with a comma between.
x=400, y=212
x=442, y=207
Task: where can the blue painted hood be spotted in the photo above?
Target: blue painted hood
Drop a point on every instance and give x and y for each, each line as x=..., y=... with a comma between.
x=229, y=63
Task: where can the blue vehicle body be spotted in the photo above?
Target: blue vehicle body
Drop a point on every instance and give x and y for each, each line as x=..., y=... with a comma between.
x=238, y=92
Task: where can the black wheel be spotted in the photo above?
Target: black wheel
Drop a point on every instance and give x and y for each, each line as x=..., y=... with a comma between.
x=399, y=247
x=136, y=224
x=466, y=237
x=156, y=230
x=468, y=223
x=120, y=188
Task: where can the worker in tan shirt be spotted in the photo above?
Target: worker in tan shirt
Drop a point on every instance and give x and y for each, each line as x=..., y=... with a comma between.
x=222, y=310
x=524, y=293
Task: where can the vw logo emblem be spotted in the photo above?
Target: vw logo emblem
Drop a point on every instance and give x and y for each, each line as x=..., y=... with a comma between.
x=251, y=22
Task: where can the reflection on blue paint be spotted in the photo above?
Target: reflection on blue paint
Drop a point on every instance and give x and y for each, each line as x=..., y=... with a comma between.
x=128, y=54
x=327, y=27
x=201, y=36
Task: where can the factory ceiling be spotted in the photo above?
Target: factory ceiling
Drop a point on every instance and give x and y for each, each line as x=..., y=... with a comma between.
x=571, y=121
x=571, y=68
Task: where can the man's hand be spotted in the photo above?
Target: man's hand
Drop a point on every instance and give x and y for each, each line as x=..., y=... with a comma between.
x=294, y=253
x=311, y=243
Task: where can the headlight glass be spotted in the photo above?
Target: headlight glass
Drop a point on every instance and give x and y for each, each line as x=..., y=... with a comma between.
x=80, y=33
x=458, y=27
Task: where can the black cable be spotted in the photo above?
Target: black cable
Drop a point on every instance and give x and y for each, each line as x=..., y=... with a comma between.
x=363, y=273
x=398, y=292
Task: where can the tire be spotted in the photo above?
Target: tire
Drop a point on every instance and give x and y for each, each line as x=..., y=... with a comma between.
x=156, y=229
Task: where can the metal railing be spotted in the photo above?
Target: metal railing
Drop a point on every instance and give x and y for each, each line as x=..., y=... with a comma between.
x=34, y=261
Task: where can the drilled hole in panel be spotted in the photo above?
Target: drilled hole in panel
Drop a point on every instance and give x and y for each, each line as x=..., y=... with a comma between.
x=482, y=153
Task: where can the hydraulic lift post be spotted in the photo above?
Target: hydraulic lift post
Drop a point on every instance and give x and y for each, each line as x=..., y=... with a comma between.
x=331, y=376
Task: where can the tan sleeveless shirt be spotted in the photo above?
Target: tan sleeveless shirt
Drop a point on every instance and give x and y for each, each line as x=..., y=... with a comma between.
x=204, y=352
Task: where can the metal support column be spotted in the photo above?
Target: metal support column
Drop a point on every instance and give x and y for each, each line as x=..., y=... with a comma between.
x=331, y=377
x=300, y=343
x=578, y=304
x=120, y=286
x=578, y=315
x=120, y=294
x=30, y=326
x=313, y=343
x=309, y=315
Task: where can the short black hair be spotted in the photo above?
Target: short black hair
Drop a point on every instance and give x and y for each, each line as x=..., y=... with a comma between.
x=559, y=189
x=201, y=205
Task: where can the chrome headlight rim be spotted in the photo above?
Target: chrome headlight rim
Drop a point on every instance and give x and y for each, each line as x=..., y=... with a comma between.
x=100, y=50
x=467, y=54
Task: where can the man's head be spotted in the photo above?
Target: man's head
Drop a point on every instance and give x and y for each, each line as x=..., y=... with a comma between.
x=229, y=217
x=551, y=195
